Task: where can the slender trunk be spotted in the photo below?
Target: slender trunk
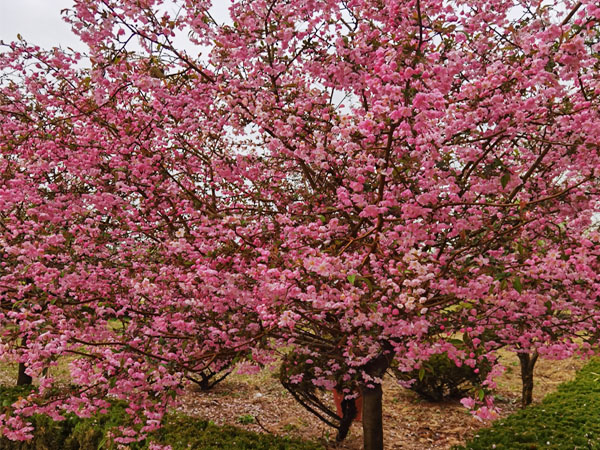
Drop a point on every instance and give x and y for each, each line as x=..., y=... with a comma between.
x=349, y=412
x=372, y=417
x=527, y=365
x=22, y=378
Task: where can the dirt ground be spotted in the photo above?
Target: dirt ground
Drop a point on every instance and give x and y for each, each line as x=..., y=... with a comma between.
x=259, y=403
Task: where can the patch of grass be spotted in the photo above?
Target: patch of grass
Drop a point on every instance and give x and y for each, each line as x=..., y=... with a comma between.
x=246, y=419
x=564, y=420
x=289, y=427
x=179, y=431
x=184, y=433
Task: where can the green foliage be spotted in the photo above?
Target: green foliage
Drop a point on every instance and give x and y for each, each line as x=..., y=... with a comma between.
x=246, y=419
x=181, y=432
x=10, y=394
x=439, y=378
x=49, y=435
x=565, y=420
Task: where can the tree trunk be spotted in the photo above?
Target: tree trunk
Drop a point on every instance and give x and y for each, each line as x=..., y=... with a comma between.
x=22, y=378
x=372, y=417
x=527, y=364
x=349, y=412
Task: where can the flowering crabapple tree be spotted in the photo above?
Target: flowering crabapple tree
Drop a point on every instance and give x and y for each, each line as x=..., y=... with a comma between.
x=363, y=183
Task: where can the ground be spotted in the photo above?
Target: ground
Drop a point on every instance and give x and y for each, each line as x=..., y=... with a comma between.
x=259, y=403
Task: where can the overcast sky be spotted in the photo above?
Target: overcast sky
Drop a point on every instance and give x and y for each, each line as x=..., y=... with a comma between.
x=39, y=21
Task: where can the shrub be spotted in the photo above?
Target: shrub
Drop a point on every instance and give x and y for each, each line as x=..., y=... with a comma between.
x=564, y=420
x=439, y=378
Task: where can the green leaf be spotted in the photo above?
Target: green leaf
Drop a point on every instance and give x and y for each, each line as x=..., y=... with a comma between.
x=368, y=282
x=505, y=179
x=103, y=441
x=421, y=373
x=351, y=278
x=517, y=285
x=481, y=394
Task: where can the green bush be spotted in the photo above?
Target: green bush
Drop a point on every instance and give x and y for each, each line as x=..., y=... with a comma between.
x=439, y=378
x=567, y=419
x=181, y=432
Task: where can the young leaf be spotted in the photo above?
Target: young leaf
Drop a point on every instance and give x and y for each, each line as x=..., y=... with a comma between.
x=517, y=285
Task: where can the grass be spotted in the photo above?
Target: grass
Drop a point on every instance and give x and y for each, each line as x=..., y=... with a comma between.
x=179, y=431
x=246, y=419
x=567, y=419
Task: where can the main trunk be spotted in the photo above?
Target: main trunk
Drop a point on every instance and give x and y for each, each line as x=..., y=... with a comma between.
x=372, y=418
x=527, y=365
x=22, y=378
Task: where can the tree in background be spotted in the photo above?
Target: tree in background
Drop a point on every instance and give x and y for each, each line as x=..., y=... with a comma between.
x=364, y=183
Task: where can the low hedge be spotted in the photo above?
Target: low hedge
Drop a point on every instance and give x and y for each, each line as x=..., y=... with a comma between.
x=181, y=432
x=568, y=419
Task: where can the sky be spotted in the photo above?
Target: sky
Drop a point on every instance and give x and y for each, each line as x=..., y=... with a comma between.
x=39, y=22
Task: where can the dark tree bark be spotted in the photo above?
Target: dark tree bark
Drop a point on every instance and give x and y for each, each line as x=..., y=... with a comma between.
x=22, y=378
x=348, y=415
x=527, y=361
x=372, y=417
